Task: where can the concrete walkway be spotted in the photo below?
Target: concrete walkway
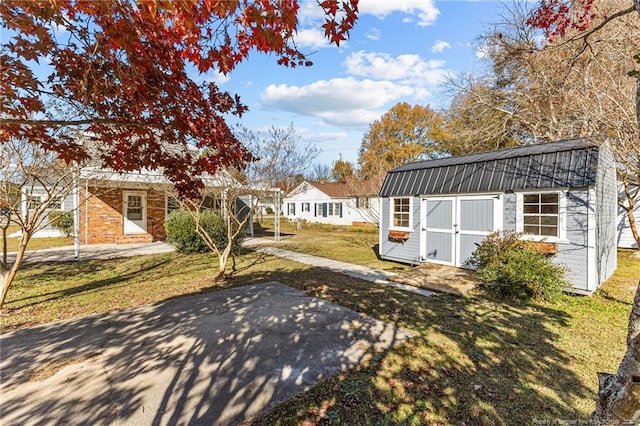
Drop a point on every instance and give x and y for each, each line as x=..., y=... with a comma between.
x=94, y=251
x=210, y=359
x=355, y=271
x=112, y=251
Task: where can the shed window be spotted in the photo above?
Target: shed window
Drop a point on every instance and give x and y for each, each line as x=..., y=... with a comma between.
x=305, y=207
x=291, y=209
x=401, y=212
x=540, y=214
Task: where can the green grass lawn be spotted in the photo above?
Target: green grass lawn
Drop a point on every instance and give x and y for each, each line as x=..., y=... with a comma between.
x=355, y=244
x=473, y=361
x=34, y=243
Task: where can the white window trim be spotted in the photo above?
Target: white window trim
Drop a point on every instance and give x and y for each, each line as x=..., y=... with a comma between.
x=336, y=209
x=392, y=201
x=562, y=216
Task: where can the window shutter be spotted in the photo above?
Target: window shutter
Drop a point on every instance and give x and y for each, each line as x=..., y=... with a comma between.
x=340, y=208
x=315, y=209
x=324, y=209
x=357, y=202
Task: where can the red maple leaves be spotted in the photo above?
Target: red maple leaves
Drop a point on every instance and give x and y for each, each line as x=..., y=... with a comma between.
x=118, y=73
x=556, y=17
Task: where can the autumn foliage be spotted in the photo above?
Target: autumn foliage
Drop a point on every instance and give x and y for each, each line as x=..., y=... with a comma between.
x=121, y=73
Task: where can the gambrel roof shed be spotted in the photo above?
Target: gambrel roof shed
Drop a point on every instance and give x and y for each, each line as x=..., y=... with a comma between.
x=561, y=195
x=563, y=164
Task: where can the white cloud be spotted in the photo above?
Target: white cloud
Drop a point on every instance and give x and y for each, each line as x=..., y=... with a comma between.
x=218, y=78
x=313, y=37
x=425, y=10
x=373, y=34
x=404, y=68
x=439, y=46
x=339, y=101
x=483, y=51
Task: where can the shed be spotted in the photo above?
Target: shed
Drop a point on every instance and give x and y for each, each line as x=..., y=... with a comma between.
x=562, y=194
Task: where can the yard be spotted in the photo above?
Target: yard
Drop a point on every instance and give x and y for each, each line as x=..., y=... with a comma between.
x=474, y=360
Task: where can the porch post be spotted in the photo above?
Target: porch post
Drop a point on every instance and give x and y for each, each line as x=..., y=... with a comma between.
x=76, y=213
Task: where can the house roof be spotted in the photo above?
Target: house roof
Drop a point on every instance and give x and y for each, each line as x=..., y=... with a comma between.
x=567, y=163
x=343, y=190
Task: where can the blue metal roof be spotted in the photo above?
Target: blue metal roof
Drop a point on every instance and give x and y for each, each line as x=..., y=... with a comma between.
x=569, y=163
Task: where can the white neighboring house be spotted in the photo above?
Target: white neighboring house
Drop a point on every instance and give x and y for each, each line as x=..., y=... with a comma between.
x=332, y=203
x=625, y=237
x=38, y=195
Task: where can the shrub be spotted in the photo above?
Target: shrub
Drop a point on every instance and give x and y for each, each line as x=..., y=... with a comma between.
x=62, y=221
x=180, y=227
x=268, y=210
x=510, y=268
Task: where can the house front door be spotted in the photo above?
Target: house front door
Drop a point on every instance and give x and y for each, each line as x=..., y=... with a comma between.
x=134, y=212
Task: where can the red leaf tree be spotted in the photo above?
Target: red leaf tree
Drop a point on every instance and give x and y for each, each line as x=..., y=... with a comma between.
x=119, y=71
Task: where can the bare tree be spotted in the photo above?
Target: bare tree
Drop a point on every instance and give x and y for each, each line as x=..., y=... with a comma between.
x=539, y=92
x=279, y=160
x=33, y=182
x=320, y=173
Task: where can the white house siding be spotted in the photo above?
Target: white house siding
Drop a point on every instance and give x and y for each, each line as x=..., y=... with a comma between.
x=624, y=237
x=409, y=251
x=348, y=213
x=47, y=230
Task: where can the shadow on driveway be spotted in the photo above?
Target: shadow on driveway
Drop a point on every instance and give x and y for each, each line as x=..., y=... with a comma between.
x=218, y=358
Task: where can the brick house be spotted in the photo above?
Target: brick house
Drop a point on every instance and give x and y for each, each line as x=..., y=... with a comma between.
x=125, y=208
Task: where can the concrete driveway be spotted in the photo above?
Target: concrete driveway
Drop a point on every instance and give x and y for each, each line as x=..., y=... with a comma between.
x=218, y=358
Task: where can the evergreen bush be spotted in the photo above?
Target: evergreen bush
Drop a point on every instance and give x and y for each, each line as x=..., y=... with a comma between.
x=511, y=268
x=180, y=228
x=62, y=221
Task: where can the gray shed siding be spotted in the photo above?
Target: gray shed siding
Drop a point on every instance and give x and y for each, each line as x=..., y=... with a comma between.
x=583, y=173
x=574, y=253
x=605, y=217
x=407, y=252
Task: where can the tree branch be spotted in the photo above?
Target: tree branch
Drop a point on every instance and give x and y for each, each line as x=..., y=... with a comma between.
x=32, y=122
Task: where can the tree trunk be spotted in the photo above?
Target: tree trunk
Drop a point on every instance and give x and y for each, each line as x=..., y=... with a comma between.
x=9, y=274
x=223, y=259
x=618, y=400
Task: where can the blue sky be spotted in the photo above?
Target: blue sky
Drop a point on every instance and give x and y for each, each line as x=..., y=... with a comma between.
x=400, y=51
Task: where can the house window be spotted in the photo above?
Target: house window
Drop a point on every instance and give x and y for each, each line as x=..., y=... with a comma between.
x=333, y=209
x=306, y=207
x=55, y=203
x=362, y=202
x=34, y=201
x=291, y=209
x=173, y=204
x=540, y=214
x=401, y=212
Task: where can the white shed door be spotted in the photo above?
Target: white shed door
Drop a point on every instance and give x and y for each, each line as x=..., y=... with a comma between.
x=453, y=227
x=134, y=212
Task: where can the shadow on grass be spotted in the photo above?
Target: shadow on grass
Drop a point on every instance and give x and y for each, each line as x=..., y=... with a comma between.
x=473, y=361
x=60, y=272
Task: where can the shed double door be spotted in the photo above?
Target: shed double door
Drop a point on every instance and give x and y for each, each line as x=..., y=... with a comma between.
x=452, y=227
